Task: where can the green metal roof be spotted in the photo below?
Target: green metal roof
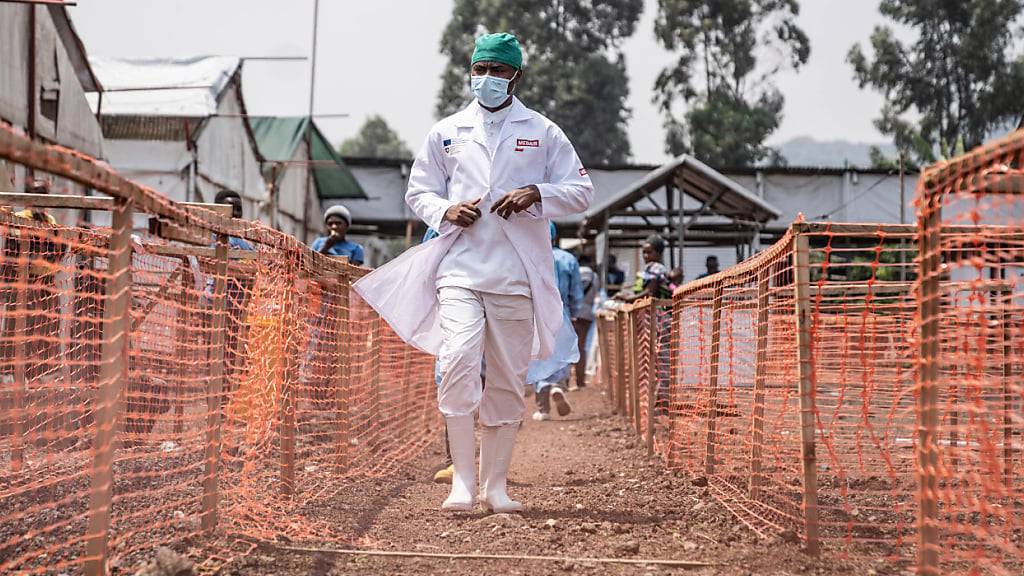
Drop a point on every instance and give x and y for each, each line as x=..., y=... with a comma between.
x=279, y=137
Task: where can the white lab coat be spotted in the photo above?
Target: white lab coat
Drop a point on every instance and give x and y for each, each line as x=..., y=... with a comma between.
x=453, y=166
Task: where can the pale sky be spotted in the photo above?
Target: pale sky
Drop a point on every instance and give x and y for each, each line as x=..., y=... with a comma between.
x=381, y=57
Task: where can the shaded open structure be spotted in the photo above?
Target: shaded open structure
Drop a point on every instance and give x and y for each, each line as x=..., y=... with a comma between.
x=687, y=202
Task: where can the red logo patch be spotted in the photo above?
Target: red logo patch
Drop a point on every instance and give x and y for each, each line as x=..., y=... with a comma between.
x=521, y=142
x=583, y=171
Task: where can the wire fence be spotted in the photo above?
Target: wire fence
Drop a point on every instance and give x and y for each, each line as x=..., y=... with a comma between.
x=856, y=386
x=204, y=377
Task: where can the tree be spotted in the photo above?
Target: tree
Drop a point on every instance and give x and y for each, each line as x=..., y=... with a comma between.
x=375, y=140
x=956, y=82
x=574, y=71
x=723, y=77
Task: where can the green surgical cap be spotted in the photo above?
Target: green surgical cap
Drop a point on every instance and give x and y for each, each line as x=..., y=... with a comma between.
x=502, y=47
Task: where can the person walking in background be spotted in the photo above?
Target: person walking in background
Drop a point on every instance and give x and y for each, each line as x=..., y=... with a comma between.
x=549, y=376
x=337, y=219
x=615, y=276
x=585, y=317
x=488, y=179
x=711, y=263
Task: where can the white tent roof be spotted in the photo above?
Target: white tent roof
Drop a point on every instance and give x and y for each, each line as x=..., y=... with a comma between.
x=162, y=87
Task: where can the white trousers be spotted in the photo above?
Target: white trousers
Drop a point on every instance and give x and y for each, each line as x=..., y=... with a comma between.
x=477, y=325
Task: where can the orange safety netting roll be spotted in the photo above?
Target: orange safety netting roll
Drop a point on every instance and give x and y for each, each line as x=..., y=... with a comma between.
x=155, y=390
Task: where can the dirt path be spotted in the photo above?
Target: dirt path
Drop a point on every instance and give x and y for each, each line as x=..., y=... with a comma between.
x=590, y=492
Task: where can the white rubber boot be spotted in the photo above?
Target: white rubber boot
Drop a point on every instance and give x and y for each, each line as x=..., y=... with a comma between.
x=462, y=439
x=486, y=460
x=496, y=444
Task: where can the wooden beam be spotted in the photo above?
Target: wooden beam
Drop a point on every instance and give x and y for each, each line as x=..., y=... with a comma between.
x=112, y=374
x=343, y=374
x=198, y=251
x=760, y=378
x=68, y=201
x=215, y=387
x=930, y=265
x=18, y=415
x=634, y=366
x=712, y=416
x=652, y=376
x=808, y=409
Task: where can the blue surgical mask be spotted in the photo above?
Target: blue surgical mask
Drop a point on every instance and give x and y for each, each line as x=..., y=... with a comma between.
x=490, y=91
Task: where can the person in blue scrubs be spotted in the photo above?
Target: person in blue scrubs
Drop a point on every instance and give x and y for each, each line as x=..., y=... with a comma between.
x=550, y=376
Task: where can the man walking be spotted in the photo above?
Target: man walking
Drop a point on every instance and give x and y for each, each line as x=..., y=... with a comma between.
x=488, y=179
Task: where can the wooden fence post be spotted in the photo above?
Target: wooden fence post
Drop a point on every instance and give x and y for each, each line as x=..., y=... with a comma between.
x=620, y=362
x=183, y=342
x=376, y=356
x=18, y=414
x=634, y=374
x=805, y=368
x=288, y=392
x=760, y=377
x=215, y=386
x=113, y=372
x=343, y=373
x=675, y=373
x=652, y=377
x=712, y=408
x=605, y=343
x=928, y=387
x=1008, y=411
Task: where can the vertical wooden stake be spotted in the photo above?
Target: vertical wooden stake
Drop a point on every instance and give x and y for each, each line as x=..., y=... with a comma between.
x=620, y=362
x=652, y=377
x=1006, y=334
x=113, y=372
x=343, y=373
x=928, y=386
x=376, y=357
x=215, y=386
x=634, y=372
x=675, y=374
x=20, y=358
x=605, y=342
x=288, y=392
x=182, y=339
x=712, y=421
x=808, y=409
x=760, y=377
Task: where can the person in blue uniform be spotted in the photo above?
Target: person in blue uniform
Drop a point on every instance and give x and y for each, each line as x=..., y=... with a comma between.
x=337, y=219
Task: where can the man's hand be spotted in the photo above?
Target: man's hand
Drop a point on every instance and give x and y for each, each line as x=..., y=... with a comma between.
x=463, y=214
x=516, y=201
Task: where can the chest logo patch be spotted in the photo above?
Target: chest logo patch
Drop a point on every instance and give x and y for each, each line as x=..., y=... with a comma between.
x=452, y=146
x=524, y=143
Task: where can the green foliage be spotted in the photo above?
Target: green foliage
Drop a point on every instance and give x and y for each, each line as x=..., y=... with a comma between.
x=375, y=140
x=723, y=76
x=574, y=71
x=958, y=80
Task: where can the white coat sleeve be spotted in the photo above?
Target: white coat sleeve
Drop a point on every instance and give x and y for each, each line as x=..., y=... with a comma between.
x=567, y=188
x=427, y=193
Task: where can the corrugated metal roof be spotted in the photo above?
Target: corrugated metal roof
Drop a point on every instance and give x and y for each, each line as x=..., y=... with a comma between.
x=722, y=195
x=278, y=139
x=167, y=128
x=163, y=86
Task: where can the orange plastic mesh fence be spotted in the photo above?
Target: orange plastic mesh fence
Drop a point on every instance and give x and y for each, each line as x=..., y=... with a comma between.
x=154, y=391
x=971, y=386
x=791, y=388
